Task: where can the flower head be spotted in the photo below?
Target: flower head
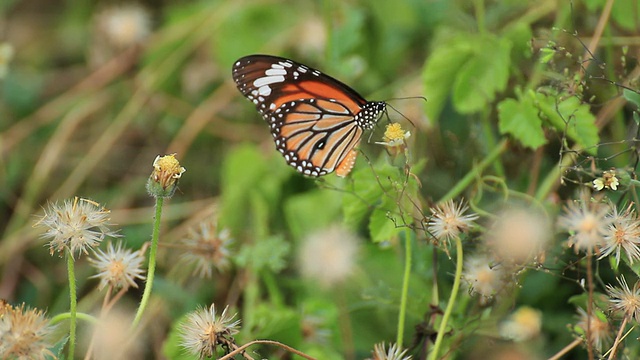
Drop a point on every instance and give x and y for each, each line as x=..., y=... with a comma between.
x=394, y=138
x=518, y=235
x=24, y=333
x=623, y=233
x=608, y=180
x=125, y=25
x=448, y=220
x=114, y=339
x=329, y=256
x=598, y=326
x=164, y=178
x=624, y=299
x=587, y=223
x=524, y=324
x=202, y=331
x=394, y=352
x=75, y=225
x=207, y=248
x=118, y=267
x=483, y=277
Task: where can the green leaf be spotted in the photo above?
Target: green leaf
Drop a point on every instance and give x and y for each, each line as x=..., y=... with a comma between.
x=520, y=119
x=269, y=253
x=483, y=75
x=302, y=215
x=381, y=226
x=567, y=114
x=632, y=97
x=441, y=69
x=625, y=13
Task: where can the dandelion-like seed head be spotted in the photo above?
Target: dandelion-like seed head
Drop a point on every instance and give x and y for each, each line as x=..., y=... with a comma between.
x=623, y=233
x=24, y=333
x=483, y=276
x=118, y=267
x=329, y=256
x=599, y=328
x=114, y=338
x=75, y=225
x=586, y=221
x=163, y=181
x=125, y=25
x=208, y=248
x=624, y=299
x=524, y=324
x=448, y=220
x=202, y=331
x=394, y=353
x=518, y=235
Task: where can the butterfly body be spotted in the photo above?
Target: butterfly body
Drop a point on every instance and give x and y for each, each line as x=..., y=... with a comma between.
x=316, y=121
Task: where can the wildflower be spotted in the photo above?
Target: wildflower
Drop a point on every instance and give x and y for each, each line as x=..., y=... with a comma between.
x=622, y=234
x=24, y=333
x=524, y=324
x=118, y=267
x=482, y=277
x=395, y=138
x=624, y=299
x=448, y=220
x=599, y=329
x=394, y=352
x=124, y=26
x=202, y=332
x=329, y=256
x=607, y=181
x=75, y=225
x=518, y=235
x=164, y=178
x=6, y=53
x=587, y=223
x=208, y=248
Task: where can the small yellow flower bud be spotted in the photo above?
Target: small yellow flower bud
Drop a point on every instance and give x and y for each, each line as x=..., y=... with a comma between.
x=164, y=178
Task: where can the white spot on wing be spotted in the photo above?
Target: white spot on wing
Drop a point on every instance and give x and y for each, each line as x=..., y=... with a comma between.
x=275, y=72
x=266, y=80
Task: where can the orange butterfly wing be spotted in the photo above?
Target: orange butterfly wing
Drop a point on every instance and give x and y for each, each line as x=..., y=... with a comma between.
x=316, y=120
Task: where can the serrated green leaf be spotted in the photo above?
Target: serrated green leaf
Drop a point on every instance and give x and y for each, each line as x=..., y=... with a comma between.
x=440, y=71
x=520, y=119
x=302, y=215
x=567, y=113
x=483, y=76
x=632, y=97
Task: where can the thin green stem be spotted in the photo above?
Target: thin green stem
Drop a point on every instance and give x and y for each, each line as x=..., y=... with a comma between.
x=451, y=303
x=152, y=262
x=67, y=315
x=405, y=287
x=475, y=172
x=73, y=303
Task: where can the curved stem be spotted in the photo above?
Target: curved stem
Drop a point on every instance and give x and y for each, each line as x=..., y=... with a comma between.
x=452, y=300
x=270, y=342
x=73, y=304
x=405, y=287
x=152, y=262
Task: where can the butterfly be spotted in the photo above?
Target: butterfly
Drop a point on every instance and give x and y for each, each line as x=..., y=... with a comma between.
x=316, y=121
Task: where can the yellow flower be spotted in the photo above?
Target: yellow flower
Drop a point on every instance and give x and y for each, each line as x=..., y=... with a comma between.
x=164, y=178
x=394, y=138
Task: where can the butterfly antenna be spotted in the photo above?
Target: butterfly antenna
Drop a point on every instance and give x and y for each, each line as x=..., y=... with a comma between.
x=401, y=114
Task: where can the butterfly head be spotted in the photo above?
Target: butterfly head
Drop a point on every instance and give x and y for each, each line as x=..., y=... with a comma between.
x=370, y=114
